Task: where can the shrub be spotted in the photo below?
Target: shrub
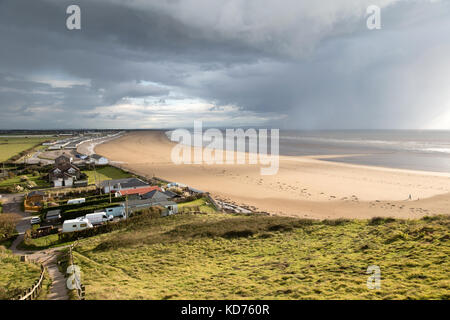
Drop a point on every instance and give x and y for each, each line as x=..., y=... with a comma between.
x=8, y=225
x=375, y=221
x=335, y=222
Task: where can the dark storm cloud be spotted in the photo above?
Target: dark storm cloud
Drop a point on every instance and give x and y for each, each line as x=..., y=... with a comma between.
x=298, y=64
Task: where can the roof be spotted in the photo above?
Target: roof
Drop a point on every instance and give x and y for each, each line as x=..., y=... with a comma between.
x=171, y=194
x=149, y=203
x=63, y=157
x=143, y=190
x=96, y=156
x=36, y=193
x=155, y=195
x=52, y=213
x=125, y=183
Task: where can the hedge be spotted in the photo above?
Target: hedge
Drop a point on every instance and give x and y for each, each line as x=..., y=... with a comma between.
x=104, y=197
x=75, y=213
x=81, y=206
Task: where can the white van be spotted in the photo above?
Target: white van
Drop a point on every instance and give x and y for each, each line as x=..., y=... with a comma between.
x=76, y=225
x=99, y=217
x=76, y=201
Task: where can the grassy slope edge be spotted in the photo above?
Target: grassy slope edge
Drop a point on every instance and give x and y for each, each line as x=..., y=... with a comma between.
x=219, y=256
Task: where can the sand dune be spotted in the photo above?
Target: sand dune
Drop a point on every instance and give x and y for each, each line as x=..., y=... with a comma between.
x=304, y=186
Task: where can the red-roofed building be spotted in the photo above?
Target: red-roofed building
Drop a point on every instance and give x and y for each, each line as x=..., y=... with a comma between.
x=137, y=192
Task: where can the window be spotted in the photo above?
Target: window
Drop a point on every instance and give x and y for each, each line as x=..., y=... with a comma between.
x=83, y=225
x=74, y=226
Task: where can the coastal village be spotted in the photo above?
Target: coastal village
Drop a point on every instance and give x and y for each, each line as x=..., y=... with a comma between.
x=61, y=192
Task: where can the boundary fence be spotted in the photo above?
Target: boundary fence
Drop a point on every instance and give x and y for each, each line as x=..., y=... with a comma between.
x=33, y=292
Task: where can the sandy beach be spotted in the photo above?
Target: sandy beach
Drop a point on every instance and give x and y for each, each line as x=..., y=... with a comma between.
x=304, y=186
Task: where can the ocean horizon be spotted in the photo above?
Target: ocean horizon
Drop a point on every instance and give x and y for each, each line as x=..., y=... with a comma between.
x=425, y=150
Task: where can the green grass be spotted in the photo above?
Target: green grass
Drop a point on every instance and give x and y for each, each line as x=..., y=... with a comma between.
x=220, y=256
x=12, y=146
x=15, y=276
x=106, y=173
x=197, y=205
x=40, y=182
x=41, y=243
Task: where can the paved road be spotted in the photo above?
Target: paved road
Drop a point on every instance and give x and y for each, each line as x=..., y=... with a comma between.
x=58, y=289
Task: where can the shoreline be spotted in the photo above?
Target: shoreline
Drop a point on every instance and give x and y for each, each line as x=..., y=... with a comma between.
x=304, y=187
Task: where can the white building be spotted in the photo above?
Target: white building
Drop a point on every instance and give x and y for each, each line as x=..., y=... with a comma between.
x=97, y=159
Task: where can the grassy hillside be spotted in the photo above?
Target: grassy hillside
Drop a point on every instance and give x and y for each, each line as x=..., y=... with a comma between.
x=16, y=276
x=219, y=256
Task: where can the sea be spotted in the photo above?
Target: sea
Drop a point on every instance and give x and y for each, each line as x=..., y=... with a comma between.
x=427, y=150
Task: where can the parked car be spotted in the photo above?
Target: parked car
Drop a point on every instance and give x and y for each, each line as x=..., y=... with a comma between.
x=99, y=217
x=35, y=220
x=76, y=201
x=76, y=225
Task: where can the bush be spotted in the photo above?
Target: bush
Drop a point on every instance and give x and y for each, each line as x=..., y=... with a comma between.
x=375, y=221
x=7, y=225
x=85, y=207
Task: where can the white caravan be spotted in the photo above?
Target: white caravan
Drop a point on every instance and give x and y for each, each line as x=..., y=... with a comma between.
x=76, y=201
x=76, y=225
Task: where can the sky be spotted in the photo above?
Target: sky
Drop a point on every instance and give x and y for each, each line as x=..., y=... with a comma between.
x=290, y=64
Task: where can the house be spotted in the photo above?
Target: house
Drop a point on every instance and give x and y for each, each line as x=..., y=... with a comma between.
x=122, y=184
x=155, y=195
x=138, y=192
x=171, y=195
x=64, y=173
x=169, y=206
x=35, y=198
x=99, y=160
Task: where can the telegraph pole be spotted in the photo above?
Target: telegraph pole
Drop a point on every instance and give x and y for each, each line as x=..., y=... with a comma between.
x=126, y=206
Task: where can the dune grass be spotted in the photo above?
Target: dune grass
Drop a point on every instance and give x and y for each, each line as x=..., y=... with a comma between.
x=218, y=256
x=106, y=173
